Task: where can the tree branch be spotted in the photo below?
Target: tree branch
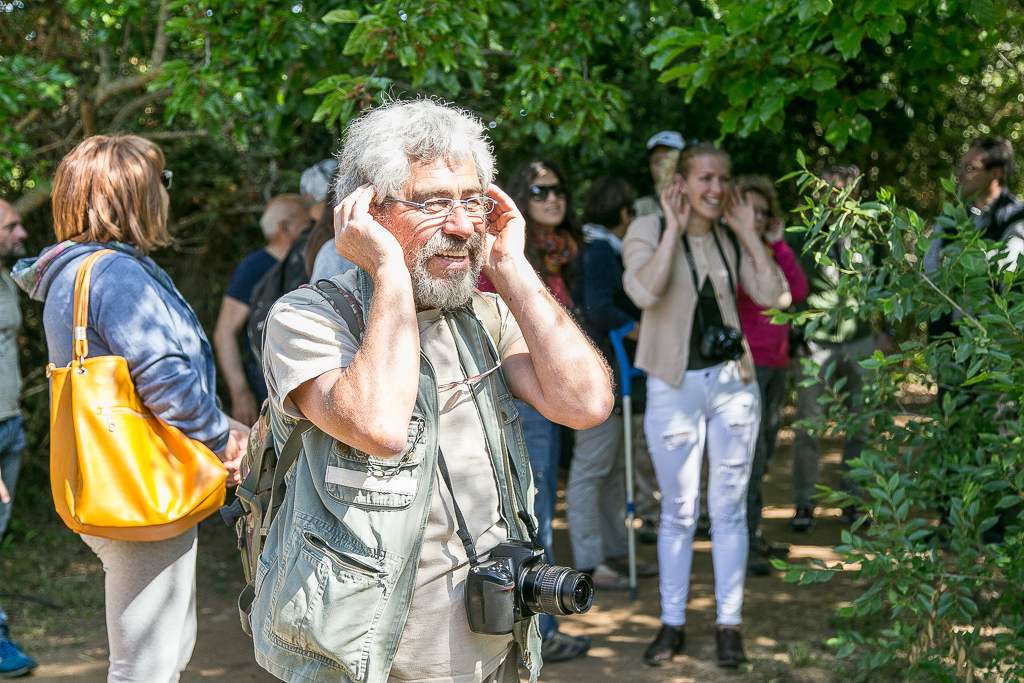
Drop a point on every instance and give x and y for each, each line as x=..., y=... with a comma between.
x=120, y=85
x=175, y=134
x=37, y=197
x=29, y=118
x=133, y=105
x=160, y=41
x=1007, y=62
x=124, y=46
x=105, y=68
x=952, y=303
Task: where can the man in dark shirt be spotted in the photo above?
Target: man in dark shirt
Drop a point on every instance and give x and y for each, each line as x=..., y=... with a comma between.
x=982, y=173
x=284, y=219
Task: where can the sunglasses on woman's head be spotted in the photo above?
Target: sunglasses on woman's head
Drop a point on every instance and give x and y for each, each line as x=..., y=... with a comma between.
x=540, y=193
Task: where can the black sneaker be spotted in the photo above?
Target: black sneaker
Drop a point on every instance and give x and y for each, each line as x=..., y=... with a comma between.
x=730, y=647
x=644, y=570
x=770, y=549
x=757, y=565
x=669, y=642
x=852, y=515
x=562, y=647
x=803, y=520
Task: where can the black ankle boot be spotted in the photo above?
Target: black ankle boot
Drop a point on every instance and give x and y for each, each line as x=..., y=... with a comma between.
x=730, y=647
x=667, y=644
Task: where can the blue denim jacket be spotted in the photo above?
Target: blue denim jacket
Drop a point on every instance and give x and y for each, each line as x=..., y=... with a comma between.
x=335, y=580
x=135, y=312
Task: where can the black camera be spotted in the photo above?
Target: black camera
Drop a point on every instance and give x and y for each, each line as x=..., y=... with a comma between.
x=720, y=344
x=516, y=583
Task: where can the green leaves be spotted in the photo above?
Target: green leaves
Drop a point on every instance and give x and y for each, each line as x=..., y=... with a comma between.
x=932, y=588
x=341, y=16
x=812, y=49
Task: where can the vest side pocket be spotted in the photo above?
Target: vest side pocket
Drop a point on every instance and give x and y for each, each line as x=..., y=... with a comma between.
x=321, y=587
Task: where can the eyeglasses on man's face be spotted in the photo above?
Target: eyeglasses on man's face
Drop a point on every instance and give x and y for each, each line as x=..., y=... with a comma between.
x=440, y=206
x=166, y=178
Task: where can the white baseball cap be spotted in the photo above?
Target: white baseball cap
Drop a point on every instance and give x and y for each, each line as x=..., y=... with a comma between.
x=666, y=138
x=316, y=180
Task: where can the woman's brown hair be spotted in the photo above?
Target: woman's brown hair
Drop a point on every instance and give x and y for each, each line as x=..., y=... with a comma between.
x=108, y=188
x=762, y=185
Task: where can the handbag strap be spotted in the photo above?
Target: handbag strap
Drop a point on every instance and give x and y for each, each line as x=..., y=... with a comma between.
x=81, y=314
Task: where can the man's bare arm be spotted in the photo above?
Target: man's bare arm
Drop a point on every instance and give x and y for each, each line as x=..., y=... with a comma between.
x=230, y=321
x=368, y=405
x=554, y=367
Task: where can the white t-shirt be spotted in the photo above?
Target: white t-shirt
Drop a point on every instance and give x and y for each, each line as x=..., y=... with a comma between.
x=305, y=337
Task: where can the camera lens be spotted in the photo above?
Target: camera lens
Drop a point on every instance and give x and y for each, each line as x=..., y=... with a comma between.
x=547, y=589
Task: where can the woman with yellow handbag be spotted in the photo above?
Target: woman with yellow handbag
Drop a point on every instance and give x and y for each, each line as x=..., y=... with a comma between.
x=140, y=451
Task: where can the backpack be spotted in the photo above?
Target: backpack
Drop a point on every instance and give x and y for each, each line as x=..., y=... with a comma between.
x=284, y=276
x=262, y=490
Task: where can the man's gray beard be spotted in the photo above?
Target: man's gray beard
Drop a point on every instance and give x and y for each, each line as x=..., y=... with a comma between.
x=454, y=291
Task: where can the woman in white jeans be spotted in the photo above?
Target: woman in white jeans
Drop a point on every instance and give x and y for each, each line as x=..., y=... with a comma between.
x=683, y=274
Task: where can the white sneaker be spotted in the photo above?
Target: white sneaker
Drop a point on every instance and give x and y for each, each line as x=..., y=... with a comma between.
x=608, y=579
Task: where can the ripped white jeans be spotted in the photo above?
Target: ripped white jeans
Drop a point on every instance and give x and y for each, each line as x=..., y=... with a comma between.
x=711, y=406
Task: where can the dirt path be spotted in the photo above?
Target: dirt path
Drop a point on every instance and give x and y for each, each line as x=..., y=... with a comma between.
x=785, y=627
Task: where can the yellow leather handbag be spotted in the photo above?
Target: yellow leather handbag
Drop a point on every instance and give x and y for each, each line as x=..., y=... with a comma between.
x=117, y=470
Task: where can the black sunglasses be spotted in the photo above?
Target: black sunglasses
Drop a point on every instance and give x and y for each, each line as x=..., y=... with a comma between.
x=540, y=193
x=166, y=178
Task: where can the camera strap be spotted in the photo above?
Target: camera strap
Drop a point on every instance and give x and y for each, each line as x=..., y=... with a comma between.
x=463, y=530
x=522, y=513
x=693, y=274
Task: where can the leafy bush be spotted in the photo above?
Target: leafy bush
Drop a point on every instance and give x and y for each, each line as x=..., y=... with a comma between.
x=941, y=545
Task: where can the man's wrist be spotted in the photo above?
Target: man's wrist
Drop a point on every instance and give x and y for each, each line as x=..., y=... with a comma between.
x=391, y=274
x=511, y=270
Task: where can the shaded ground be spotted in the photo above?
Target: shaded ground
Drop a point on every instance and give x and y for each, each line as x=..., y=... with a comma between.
x=785, y=626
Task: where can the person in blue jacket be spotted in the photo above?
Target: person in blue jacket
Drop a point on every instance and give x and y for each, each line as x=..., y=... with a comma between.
x=110, y=192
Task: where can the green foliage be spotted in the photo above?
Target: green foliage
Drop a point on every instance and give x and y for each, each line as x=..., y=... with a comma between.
x=949, y=593
x=839, y=56
x=530, y=61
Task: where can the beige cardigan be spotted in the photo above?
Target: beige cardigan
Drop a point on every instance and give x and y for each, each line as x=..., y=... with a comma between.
x=667, y=319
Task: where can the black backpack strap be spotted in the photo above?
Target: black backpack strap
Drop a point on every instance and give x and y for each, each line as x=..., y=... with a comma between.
x=262, y=518
x=343, y=303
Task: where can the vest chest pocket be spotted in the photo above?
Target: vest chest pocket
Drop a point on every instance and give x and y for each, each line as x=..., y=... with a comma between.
x=366, y=481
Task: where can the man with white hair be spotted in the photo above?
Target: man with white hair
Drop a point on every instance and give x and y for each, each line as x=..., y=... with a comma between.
x=284, y=218
x=412, y=467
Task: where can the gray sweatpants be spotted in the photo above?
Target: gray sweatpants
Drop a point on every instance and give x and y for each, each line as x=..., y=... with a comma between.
x=647, y=496
x=150, y=604
x=595, y=496
x=846, y=357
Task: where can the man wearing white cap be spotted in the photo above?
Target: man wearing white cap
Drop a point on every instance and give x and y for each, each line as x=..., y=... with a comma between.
x=648, y=505
x=660, y=145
